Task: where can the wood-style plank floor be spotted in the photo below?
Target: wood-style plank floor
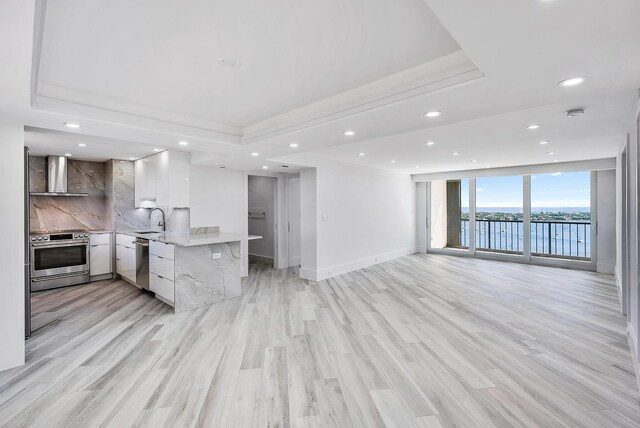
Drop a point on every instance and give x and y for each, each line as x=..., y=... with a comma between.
x=422, y=341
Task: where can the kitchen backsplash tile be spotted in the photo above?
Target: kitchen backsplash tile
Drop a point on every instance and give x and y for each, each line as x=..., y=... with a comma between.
x=64, y=213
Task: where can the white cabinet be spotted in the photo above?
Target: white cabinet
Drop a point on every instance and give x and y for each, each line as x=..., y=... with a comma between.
x=126, y=257
x=162, y=287
x=128, y=263
x=100, y=254
x=162, y=180
x=162, y=270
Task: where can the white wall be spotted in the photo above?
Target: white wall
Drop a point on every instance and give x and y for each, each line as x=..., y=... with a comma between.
x=262, y=196
x=12, y=291
x=632, y=242
x=308, y=224
x=218, y=199
x=606, y=209
x=364, y=216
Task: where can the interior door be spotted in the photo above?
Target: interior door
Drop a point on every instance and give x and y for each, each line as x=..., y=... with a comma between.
x=293, y=196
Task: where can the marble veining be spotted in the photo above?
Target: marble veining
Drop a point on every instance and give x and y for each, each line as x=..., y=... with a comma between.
x=209, y=229
x=176, y=220
x=201, y=280
x=65, y=213
x=122, y=197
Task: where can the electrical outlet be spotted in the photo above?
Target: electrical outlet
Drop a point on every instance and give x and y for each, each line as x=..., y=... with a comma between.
x=216, y=256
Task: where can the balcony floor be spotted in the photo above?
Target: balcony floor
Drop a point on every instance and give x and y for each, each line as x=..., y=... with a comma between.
x=425, y=340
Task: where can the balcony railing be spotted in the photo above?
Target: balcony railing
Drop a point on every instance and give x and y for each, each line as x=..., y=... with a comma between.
x=548, y=238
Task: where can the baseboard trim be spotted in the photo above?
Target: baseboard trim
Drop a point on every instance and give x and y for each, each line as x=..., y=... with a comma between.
x=605, y=268
x=336, y=270
x=633, y=347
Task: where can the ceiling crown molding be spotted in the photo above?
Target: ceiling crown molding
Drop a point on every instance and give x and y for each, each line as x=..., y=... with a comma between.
x=451, y=70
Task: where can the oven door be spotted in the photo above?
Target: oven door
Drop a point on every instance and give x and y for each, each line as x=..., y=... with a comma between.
x=49, y=259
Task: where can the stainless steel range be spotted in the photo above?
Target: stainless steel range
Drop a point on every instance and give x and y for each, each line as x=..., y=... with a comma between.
x=59, y=258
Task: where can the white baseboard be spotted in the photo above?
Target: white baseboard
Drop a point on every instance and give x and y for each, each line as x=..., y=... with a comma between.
x=336, y=270
x=605, y=268
x=422, y=249
x=633, y=346
x=309, y=274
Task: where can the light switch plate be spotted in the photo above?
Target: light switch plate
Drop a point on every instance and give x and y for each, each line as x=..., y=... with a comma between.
x=216, y=256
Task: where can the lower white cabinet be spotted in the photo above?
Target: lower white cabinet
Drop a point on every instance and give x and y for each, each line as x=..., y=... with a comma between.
x=128, y=263
x=126, y=257
x=162, y=270
x=100, y=254
x=162, y=287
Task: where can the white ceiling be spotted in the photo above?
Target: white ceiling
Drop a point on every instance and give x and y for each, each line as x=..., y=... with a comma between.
x=151, y=81
x=164, y=55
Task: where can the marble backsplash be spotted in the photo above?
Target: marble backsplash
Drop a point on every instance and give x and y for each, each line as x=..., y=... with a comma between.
x=110, y=204
x=66, y=213
x=120, y=197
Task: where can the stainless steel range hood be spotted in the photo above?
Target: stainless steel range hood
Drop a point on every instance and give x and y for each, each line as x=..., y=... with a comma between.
x=57, y=178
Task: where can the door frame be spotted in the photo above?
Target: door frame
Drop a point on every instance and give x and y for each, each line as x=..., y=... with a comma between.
x=287, y=223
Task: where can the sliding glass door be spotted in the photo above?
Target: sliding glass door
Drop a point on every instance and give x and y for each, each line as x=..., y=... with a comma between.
x=537, y=217
x=561, y=215
x=450, y=214
x=499, y=215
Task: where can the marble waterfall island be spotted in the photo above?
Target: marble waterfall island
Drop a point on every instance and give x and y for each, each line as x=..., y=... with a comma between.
x=192, y=270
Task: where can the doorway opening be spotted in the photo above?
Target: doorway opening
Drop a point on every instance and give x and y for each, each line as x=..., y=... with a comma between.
x=262, y=202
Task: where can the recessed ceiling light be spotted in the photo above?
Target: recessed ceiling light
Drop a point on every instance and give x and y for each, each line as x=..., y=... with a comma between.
x=573, y=81
x=183, y=143
x=293, y=145
x=254, y=154
x=360, y=154
x=67, y=154
x=551, y=153
x=82, y=145
x=432, y=114
x=474, y=161
x=393, y=161
x=132, y=158
x=556, y=160
x=72, y=125
x=542, y=143
x=533, y=126
x=455, y=154
x=157, y=150
x=417, y=166
x=349, y=133
x=429, y=143
x=265, y=167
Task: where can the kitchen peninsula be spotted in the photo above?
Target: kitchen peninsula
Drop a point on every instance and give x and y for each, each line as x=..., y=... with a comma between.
x=185, y=270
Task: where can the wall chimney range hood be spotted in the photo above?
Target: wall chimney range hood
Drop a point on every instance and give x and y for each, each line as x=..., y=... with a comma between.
x=57, y=178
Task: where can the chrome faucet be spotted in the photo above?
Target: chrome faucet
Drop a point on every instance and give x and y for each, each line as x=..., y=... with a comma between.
x=160, y=223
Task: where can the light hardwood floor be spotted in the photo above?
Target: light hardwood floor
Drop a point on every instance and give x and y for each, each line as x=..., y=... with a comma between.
x=422, y=341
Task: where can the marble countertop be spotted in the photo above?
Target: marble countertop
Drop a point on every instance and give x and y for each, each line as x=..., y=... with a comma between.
x=191, y=239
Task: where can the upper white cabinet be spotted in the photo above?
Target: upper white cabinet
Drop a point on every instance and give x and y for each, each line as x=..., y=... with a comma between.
x=162, y=180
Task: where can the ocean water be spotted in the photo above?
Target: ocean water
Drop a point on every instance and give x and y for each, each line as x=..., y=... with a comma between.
x=572, y=240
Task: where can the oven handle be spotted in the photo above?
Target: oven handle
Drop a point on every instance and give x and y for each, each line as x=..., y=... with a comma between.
x=50, y=245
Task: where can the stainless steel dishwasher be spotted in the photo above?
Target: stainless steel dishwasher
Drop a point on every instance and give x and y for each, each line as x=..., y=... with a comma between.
x=142, y=262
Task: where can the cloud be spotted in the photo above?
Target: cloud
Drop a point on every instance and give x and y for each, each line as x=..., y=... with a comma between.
x=479, y=189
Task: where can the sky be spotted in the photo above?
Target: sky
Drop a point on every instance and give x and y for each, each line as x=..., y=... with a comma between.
x=568, y=190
